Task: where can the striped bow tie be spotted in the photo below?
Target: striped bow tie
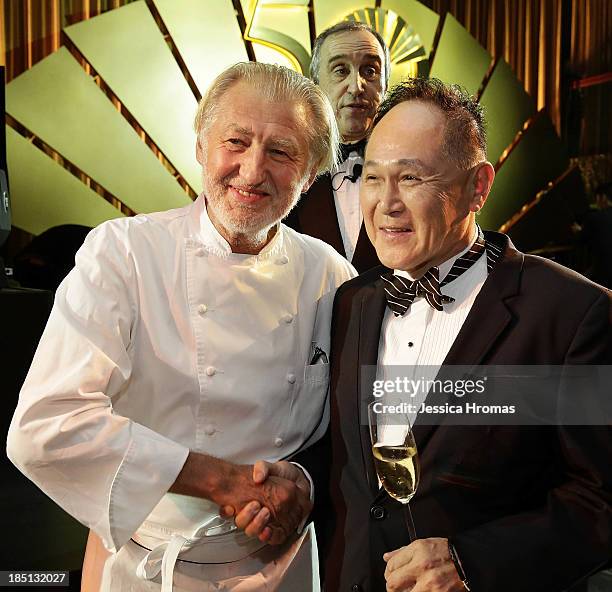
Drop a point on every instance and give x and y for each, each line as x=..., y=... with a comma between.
x=401, y=292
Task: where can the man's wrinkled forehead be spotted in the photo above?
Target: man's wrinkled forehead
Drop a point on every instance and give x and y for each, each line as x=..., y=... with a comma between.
x=414, y=118
x=412, y=132
x=244, y=93
x=415, y=164
x=345, y=44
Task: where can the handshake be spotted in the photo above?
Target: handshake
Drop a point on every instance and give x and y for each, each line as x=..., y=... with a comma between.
x=270, y=502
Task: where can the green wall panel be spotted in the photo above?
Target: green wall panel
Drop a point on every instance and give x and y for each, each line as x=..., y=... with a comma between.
x=328, y=13
x=424, y=20
x=459, y=58
x=525, y=172
x=61, y=104
x=507, y=108
x=549, y=222
x=128, y=50
x=206, y=34
x=44, y=194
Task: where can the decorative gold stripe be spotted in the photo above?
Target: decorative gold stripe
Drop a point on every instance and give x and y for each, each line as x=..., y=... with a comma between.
x=486, y=78
x=536, y=200
x=68, y=165
x=519, y=135
x=312, y=27
x=125, y=113
x=436, y=39
x=159, y=21
x=243, y=27
x=3, y=44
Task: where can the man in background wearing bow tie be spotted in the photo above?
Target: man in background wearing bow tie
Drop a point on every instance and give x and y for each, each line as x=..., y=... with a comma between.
x=350, y=62
x=499, y=508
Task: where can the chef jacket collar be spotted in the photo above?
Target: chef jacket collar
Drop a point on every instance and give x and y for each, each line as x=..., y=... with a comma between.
x=213, y=242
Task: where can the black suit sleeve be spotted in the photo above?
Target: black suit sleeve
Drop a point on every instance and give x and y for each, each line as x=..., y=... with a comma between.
x=315, y=459
x=551, y=546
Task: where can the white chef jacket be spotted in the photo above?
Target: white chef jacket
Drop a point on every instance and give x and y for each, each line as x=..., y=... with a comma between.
x=160, y=341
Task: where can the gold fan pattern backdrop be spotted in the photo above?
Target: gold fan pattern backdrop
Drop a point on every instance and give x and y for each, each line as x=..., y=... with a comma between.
x=101, y=126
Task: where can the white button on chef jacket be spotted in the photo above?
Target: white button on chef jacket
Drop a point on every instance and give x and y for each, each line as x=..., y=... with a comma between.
x=119, y=390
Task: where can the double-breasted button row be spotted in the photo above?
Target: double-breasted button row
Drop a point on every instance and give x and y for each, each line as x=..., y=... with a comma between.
x=286, y=318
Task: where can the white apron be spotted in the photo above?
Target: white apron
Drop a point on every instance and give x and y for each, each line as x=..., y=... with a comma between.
x=185, y=546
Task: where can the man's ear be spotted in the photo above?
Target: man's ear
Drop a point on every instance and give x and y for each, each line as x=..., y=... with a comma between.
x=200, y=149
x=310, y=181
x=481, y=183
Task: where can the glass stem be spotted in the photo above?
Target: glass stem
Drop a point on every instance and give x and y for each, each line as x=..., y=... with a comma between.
x=409, y=523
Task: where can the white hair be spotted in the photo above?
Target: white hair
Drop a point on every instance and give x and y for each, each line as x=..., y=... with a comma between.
x=279, y=84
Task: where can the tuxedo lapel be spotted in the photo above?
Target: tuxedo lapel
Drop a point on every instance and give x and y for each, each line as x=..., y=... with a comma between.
x=317, y=214
x=490, y=313
x=372, y=312
x=365, y=256
x=486, y=321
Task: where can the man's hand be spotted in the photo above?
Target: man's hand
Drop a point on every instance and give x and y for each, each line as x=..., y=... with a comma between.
x=424, y=565
x=284, y=504
x=254, y=519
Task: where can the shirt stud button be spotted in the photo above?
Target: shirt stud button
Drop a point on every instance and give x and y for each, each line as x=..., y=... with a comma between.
x=278, y=442
x=211, y=371
x=199, y=252
x=288, y=319
x=202, y=309
x=282, y=260
x=209, y=430
x=410, y=344
x=291, y=378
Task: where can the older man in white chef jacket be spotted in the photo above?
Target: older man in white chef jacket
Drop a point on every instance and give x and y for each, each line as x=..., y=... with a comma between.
x=186, y=345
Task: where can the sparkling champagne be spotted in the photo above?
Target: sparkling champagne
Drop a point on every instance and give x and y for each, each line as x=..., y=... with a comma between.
x=398, y=470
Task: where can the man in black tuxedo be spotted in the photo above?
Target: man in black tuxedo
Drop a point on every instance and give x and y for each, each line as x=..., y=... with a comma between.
x=350, y=62
x=499, y=508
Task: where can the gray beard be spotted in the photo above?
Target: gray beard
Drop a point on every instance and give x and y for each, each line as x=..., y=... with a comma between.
x=243, y=236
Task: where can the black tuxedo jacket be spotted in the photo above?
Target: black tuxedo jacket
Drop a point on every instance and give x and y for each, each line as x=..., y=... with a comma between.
x=315, y=215
x=529, y=508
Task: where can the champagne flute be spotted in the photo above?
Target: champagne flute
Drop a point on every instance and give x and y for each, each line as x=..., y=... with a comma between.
x=395, y=453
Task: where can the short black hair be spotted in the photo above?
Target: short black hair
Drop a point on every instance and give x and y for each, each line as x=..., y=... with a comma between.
x=465, y=139
x=342, y=27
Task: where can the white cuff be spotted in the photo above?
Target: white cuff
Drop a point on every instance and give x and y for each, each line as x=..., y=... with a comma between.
x=149, y=468
x=307, y=475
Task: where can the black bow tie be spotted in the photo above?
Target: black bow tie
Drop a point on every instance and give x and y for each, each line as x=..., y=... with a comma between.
x=401, y=292
x=346, y=149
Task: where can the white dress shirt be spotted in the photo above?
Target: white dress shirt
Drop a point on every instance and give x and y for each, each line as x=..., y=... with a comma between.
x=161, y=341
x=346, y=198
x=420, y=339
